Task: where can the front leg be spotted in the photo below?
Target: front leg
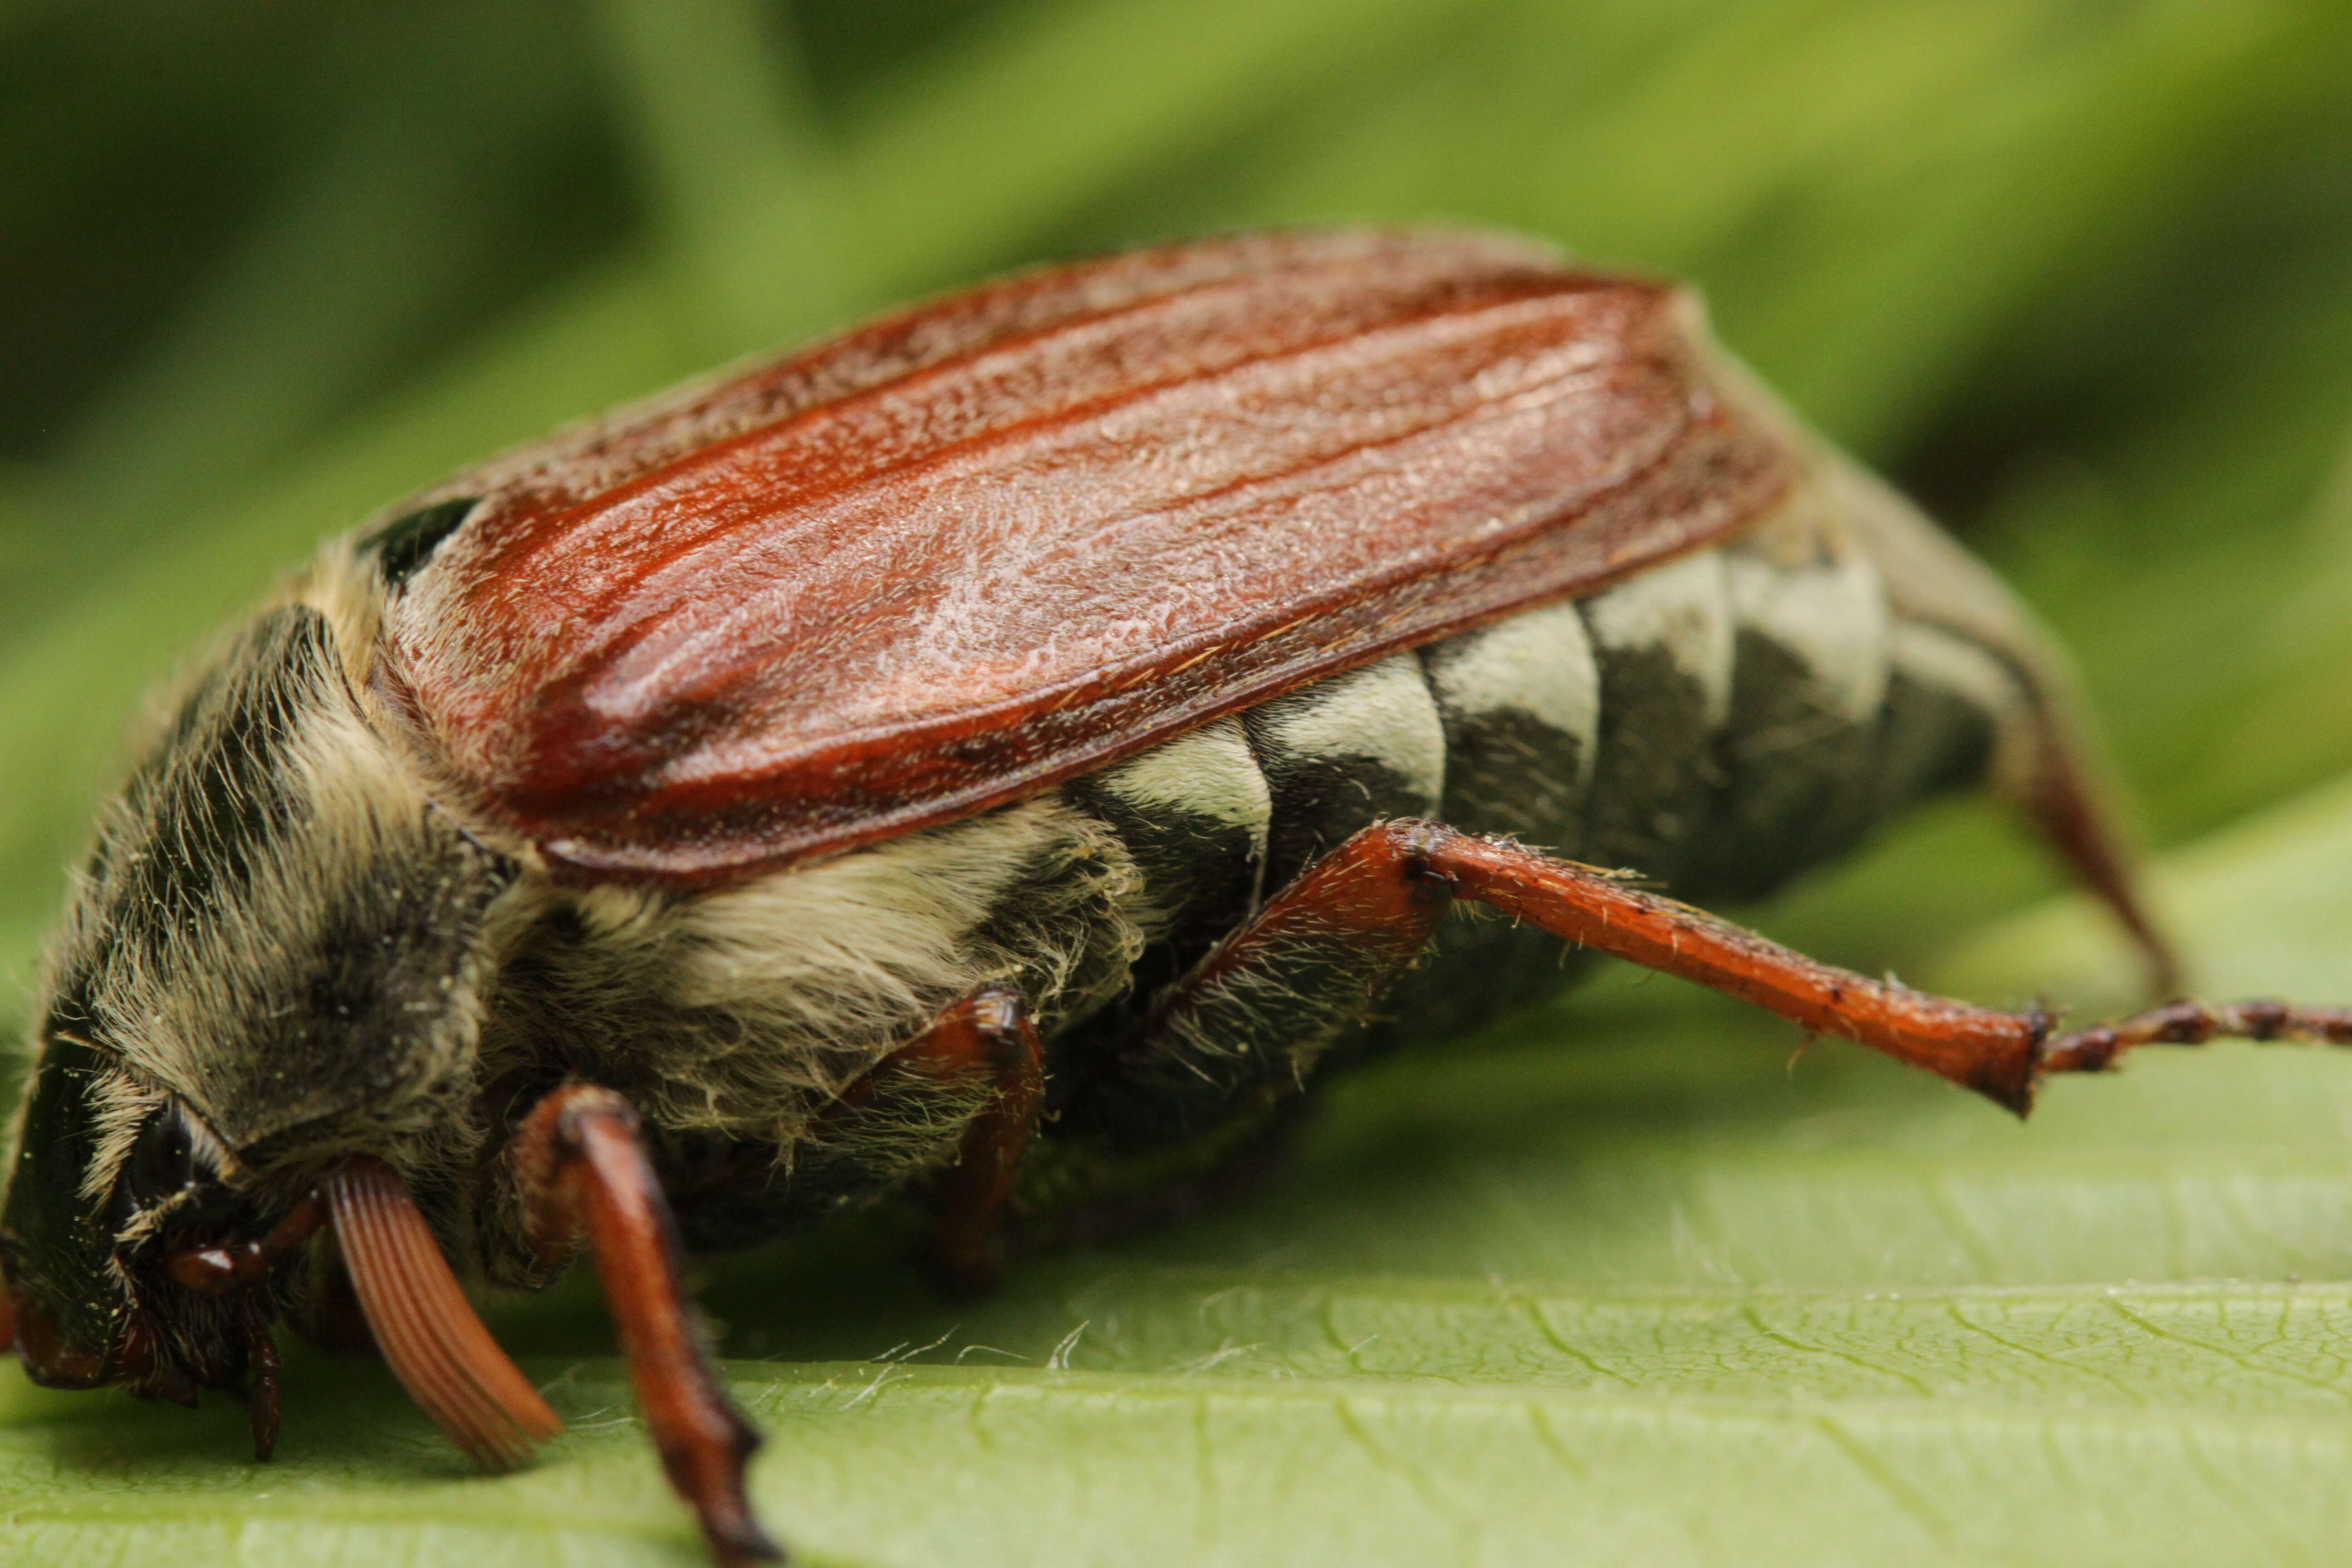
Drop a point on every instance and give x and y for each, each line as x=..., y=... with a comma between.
x=584, y=1172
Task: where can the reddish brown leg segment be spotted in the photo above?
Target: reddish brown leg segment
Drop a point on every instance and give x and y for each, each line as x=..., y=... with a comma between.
x=988, y=1032
x=579, y=1154
x=262, y=1406
x=1993, y=1052
x=1386, y=887
x=2064, y=800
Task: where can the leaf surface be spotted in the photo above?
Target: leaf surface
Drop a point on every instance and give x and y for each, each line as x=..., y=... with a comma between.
x=1636, y=1279
x=1613, y=1285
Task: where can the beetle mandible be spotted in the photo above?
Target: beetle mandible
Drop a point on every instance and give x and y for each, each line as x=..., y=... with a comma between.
x=1063, y=713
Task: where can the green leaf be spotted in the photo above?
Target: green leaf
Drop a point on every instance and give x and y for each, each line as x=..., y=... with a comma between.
x=1640, y=1279
x=1620, y=1282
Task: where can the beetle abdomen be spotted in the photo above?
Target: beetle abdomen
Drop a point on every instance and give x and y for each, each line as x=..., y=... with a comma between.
x=1715, y=725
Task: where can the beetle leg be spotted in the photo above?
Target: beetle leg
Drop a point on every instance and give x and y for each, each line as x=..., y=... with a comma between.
x=1246, y=1026
x=989, y=1031
x=2094, y=1050
x=1383, y=892
x=261, y=1404
x=2066, y=802
x=585, y=1172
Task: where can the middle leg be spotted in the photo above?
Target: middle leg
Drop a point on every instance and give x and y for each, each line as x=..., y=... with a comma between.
x=987, y=1036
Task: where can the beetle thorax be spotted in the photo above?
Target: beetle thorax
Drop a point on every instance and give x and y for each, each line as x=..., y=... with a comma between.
x=738, y=1010
x=277, y=926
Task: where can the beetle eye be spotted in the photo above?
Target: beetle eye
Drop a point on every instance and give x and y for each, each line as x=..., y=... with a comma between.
x=164, y=1160
x=175, y=1155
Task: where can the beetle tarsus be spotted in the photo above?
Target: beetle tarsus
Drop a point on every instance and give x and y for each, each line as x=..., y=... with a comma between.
x=2191, y=1023
x=587, y=1173
x=261, y=1406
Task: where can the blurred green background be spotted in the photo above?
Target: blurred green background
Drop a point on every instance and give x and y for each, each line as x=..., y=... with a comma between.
x=1608, y=1286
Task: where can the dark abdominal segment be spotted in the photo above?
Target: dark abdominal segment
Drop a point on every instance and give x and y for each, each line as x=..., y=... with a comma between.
x=1717, y=725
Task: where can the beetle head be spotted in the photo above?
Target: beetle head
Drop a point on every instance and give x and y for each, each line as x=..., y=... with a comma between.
x=132, y=1254
x=274, y=964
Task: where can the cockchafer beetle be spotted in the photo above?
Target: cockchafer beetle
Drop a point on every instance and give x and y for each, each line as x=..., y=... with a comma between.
x=1062, y=714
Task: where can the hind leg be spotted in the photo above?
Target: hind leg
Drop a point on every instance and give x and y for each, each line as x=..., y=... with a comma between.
x=1317, y=958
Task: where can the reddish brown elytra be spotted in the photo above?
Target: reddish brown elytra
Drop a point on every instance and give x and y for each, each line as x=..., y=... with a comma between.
x=1044, y=524
x=1064, y=712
